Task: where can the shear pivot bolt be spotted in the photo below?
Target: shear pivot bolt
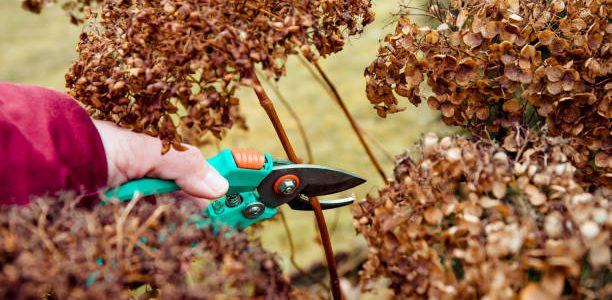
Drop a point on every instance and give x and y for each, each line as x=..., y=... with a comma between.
x=253, y=210
x=233, y=200
x=287, y=186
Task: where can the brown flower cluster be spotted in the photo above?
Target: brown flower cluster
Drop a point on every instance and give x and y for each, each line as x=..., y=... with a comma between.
x=77, y=10
x=471, y=219
x=149, y=61
x=495, y=64
x=55, y=250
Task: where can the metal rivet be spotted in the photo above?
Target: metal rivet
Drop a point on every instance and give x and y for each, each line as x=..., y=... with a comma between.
x=218, y=206
x=254, y=210
x=233, y=200
x=287, y=186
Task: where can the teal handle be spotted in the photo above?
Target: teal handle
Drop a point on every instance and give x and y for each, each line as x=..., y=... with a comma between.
x=240, y=179
x=219, y=214
x=242, y=182
x=145, y=186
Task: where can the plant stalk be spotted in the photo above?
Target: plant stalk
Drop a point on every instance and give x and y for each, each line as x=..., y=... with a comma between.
x=292, y=251
x=295, y=117
x=268, y=106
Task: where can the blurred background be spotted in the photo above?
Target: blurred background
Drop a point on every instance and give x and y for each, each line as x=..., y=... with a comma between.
x=38, y=49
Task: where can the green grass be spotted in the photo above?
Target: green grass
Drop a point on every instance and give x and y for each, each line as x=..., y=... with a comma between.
x=38, y=50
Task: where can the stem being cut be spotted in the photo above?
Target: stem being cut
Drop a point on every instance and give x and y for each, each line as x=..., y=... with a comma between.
x=268, y=106
x=292, y=253
x=295, y=117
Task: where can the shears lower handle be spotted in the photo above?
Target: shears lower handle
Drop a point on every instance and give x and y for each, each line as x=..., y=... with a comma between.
x=236, y=211
x=143, y=186
x=244, y=170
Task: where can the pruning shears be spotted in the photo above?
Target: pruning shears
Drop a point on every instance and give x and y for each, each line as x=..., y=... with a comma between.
x=258, y=185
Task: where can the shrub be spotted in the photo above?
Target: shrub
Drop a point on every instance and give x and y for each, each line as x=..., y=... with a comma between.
x=495, y=64
x=53, y=248
x=77, y=10
x=148, y=60
x=472, y=219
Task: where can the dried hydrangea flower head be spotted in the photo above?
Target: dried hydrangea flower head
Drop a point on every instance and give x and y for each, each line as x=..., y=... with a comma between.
x=52, y=246
x=146, y=62
x=77, y=10
x=470, y=219
x=495, y=64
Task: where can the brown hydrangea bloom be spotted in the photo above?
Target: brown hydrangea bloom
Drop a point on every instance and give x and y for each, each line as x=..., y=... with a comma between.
x=77, y=10
x=150, y=61
x=471, y=219
x=494, y=64
x=53, y=248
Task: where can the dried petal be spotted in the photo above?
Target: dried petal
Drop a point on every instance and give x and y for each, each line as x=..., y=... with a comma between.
x=473, y=40
x=511, y=106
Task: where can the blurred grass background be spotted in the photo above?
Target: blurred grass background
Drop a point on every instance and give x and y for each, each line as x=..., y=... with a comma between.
x=39, y=49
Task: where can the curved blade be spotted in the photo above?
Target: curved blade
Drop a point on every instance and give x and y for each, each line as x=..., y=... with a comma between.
x=315, y=180
x=303, y=203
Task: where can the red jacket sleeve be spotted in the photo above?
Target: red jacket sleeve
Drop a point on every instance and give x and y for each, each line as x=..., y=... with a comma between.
x=48, y=144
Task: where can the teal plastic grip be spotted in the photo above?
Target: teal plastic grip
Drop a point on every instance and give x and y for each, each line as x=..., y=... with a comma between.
x=240, y=180
x=145, y=186
x=220, y=214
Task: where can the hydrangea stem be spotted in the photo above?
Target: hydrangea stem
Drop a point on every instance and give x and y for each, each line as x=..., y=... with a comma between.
x=268, y=106
x=294, y=116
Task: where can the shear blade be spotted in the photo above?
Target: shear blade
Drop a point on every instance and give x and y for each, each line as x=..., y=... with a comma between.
x=303, y=203
x=314, y=180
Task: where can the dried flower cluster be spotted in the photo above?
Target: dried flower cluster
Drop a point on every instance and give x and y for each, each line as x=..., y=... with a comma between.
x=54, y=249
x=78, y=10
x=471, y=219
x=494, y=64
x=151, y=60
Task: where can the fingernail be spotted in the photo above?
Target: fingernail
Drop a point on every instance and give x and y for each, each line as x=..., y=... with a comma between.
x=216, y=183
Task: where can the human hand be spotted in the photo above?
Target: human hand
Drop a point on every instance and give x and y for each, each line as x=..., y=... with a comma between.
x=132, y=155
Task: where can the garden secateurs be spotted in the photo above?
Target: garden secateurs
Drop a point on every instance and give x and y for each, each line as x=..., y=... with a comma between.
x=258, y=184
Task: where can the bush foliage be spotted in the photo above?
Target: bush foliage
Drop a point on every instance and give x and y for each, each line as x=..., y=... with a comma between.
x=471, y=219
x=522, y=208
x=77, y=10
x=54, y=250
x=144, y=63
x=494, y=64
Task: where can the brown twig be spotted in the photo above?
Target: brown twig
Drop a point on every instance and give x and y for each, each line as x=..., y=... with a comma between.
x=323, y=84
x=329, y=252
x=295, y=117
x=249, y=5
x=268, y=106
x=315, y=75
x=379, y=146
x=42, y=233
x=152, y=218
x=310, y=160
x=292, y=253
x=120, y=223
x=352, y=121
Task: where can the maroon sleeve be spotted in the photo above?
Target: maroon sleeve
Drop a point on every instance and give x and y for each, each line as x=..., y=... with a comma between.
x=48, y=144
